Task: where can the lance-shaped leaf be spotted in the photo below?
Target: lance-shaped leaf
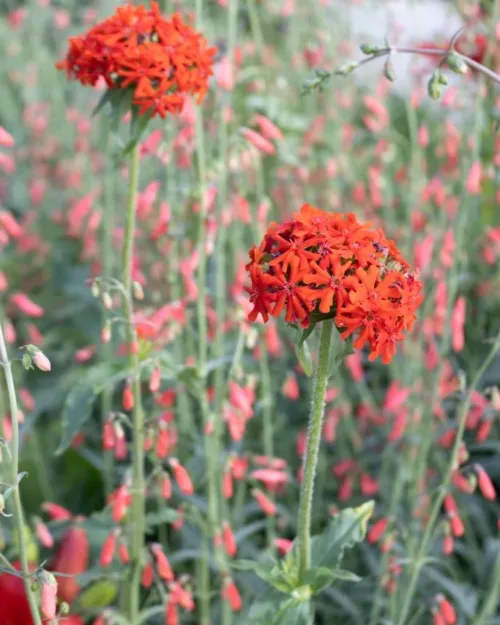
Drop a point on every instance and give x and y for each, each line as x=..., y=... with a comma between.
x=347, y=528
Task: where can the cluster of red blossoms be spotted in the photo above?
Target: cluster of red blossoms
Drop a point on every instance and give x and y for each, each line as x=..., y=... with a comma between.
x=328, y=265
x=162, y=60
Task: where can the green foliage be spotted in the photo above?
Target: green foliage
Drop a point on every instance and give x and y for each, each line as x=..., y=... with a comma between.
x=347, y=528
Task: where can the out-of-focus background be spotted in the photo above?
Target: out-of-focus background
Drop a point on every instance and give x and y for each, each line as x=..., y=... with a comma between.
x=426, y=171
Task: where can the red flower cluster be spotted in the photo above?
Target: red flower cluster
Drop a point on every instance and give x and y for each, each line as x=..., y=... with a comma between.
x=327, y=264
x=161, y=60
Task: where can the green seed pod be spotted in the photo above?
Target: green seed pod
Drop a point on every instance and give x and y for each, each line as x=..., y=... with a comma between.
x=434, y=87
x=368, y=49
x=389, y=70
x=27, y=364
x=456, y=63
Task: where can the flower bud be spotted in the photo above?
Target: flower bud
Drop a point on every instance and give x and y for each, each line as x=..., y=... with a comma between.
x=48, y=597
x=155, y=380
x=43, y=534
x=95, y=290
x=434, y=87
x=231, y=594
x=128, y=400
x=485, y=484
x=229, y=540
x=107, y=300
x=267, y=505
x=456, y=63
x=162, y=564
x=182, y=477
x=108, y=435
x=41, y=361
x=64, y=608
x=2, y=504
x=106, y=333
x=389, y=70
x=137, y=291
x=368, y=49
x=108, y=550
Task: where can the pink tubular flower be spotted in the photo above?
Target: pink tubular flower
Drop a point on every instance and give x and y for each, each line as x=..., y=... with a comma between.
x=48, y=595
x=108, y=549
x=43, y=534
x=10, y=225
x=270, y=477
x=229, y=540
x=56, y=512
x=6, y=139
x=182, y=477
x=41, y=361
x=231, y=594
x=269, y=130
x=457, y=324
x=377, y=530
x=267, y=506
x=446, y=610
x=162, y=564
x=258, y=141
x=26, y=306
x=283, y=545
x=485, y=484
x=120, y=500
x=473, y=182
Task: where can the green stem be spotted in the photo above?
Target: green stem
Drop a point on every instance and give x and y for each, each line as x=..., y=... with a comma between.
x=491, y=600
x=436, y=508
x=201, y=309
x=107, y=271
x=138, y=482
x=255, y=26
x=14, y=466
x=312, y=450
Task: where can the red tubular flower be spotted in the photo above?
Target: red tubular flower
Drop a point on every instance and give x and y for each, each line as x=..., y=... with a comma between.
x=162, y=61
x=322, y=263
x=72, y=559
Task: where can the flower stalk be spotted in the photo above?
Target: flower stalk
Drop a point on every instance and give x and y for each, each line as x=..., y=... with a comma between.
x=312, y=449
x=14, y=471
x=138, y=479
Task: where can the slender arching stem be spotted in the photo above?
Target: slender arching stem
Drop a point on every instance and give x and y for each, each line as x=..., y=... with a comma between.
x=431, y=52
x=14, y=466
x=438, y=501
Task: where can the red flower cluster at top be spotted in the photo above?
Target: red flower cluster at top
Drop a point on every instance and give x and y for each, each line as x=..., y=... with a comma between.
x=327, y=264
x=162, y=60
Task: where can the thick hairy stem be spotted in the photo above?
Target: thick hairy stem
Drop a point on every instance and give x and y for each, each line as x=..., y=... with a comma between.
x=312, y=450
x=138, y=481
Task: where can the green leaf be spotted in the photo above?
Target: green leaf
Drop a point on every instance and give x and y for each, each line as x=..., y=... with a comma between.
x=138, y=126
x=265, y=608
x=103, y=101
x=98, y=595
x=270, y=572
x=295, y=612
x=165, y=515
x=305, y=334
x=321, y=577
x=340, y=350
x=346, y=529
x=76, y=411
x=121, y=103
x=78, y=405
x=304, y=357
